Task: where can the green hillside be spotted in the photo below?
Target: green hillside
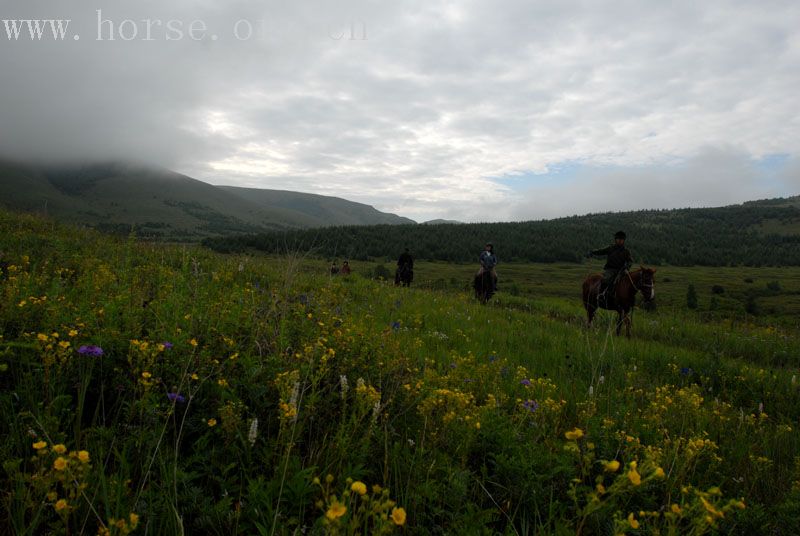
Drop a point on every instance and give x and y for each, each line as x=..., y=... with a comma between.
x=159, y=203
x=321, y=210
x=758, y=233
x=164, y=389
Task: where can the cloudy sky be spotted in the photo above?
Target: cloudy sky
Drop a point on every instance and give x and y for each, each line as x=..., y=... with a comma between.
x=468, y=110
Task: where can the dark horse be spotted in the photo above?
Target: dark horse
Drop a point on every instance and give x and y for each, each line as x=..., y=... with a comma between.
x=404, y=274
x=484, y=286
x=623, y=298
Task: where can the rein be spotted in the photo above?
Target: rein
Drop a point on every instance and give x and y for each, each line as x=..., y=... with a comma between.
x=641, y=286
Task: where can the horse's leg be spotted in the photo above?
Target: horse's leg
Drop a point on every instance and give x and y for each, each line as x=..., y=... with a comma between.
x=620, y=320
x=590, y=311
x=628, y=324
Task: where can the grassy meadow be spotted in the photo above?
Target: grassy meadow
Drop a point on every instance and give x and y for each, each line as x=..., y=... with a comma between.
x=156, y=389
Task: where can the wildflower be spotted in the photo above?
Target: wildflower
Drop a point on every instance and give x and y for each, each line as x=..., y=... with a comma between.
x=575, y=434
x=42, y=337
x=591, y=390
x=686, y=371
x=195, y=376
x=632, y=521
x=395, y=325
x=253, y=433
x=611, y=466
x=659, y=473
x=60, y=464
x=530, y=405
x=73, y=332
x=336, y=510
x=344, y=385
x=399, y=516
x=134, y=519
x=212, y=422
x=59, y=449
x=176, y=397
x=39, y=445
x=90, y=350
x=61, y=504
x=193, y=342
x=675, y=509
x=526, y=382
x=359, y=487
x=634, y=476
x=83, y=456
x=167, y=345
x=146, y=375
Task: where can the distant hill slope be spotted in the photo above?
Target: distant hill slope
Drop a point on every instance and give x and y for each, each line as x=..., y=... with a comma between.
x=160, y=203
x=755, y=234
x=321, y=210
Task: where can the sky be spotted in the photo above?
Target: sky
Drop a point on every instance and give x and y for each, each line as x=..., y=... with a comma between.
x=465, y=110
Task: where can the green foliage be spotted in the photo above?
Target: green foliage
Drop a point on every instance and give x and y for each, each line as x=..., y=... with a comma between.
x=728, y=236
x=499, y=419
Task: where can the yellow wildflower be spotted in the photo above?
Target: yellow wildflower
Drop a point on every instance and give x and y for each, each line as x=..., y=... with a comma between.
x=336, y=510
x=212, y=422
x=59, y=449
x=632, y=521
x=359, y=487
x=83, y=456
x=675, y=509
x=61, y=504
x=73, y=332
x=39, y=445
x=612, y=466
x=193, y=342
x=195, y=376
x=659, y=473
x=575, y=434
x=634, y=477
x=60, y=464
x=146, y=375
x=399, y=516
x=134, y=520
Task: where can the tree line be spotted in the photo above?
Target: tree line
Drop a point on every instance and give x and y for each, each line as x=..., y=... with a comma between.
x=683, y=237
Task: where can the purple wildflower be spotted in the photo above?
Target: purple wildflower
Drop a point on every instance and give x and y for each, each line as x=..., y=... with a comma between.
x=176, y=397
x=530, y=405
x=90, y=349
x=686, y=371
x=492, y=358
x=526, y=382
x=167, y=345
x=395, y=325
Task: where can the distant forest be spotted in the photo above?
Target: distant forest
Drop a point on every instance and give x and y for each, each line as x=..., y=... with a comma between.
x=764, y=233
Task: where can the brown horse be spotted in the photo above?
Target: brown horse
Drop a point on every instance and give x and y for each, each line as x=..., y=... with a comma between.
x=622, y=298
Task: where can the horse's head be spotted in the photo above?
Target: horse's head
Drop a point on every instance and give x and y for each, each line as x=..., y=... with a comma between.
x=647, y=283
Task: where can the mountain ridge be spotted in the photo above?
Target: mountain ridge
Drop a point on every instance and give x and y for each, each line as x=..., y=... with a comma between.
x=159, y=203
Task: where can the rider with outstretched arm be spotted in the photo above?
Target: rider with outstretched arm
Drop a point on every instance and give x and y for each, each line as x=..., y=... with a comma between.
x=618, y=259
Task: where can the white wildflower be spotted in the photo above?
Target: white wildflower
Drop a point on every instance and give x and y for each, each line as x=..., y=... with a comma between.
x=253, y=434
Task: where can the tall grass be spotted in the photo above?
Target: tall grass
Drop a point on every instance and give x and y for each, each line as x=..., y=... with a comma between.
x=242, y=395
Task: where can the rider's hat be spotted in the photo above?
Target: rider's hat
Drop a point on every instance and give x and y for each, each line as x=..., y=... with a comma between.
x=620, y=234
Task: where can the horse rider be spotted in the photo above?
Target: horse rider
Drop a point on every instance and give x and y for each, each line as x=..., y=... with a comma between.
x=618, y=260
x=406, y=258
x=345, y=268
x=334, y=269
x=488, y=262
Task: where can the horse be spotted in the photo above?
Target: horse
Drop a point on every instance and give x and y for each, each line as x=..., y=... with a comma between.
x=404, y=274
x=483, y=285
x=621, y=298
